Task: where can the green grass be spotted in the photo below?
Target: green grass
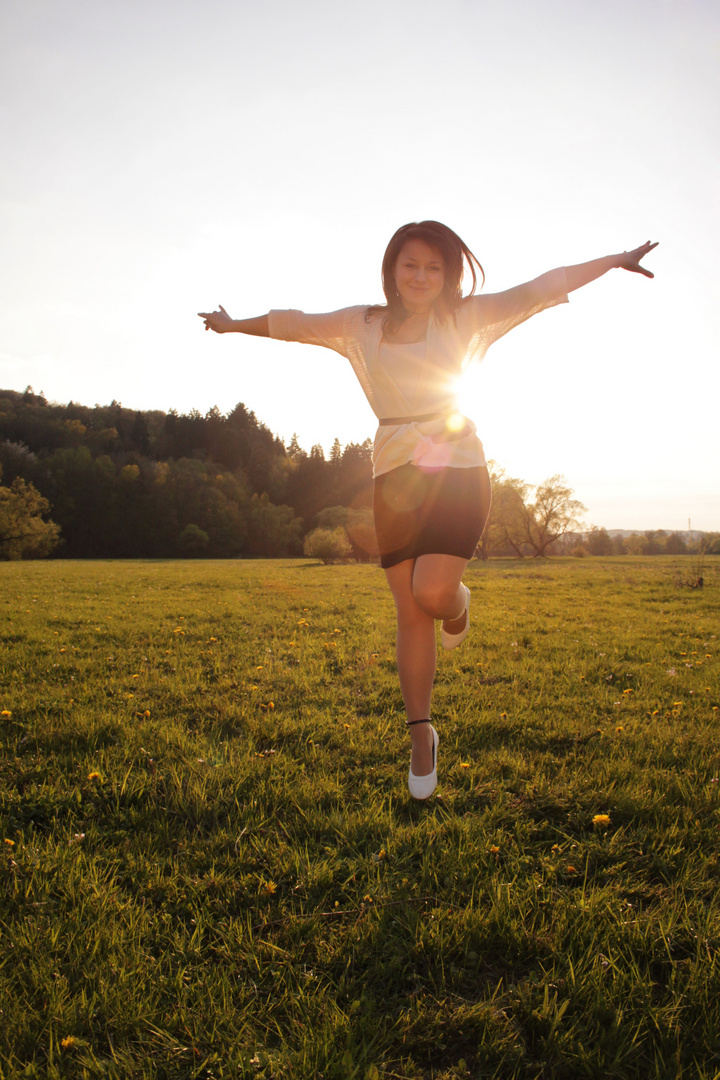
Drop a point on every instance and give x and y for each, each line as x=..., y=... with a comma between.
x=212, y=866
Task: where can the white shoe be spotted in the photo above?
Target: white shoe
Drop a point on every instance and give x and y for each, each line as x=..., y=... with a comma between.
x=451, y=641
x=422, y=787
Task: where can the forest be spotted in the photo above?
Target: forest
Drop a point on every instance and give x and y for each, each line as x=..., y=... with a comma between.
x=113, y=482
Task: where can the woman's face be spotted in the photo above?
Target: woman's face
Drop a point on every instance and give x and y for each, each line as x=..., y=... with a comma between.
x=419, y=276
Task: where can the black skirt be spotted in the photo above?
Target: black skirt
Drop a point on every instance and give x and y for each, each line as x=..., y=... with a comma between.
x=430, y=511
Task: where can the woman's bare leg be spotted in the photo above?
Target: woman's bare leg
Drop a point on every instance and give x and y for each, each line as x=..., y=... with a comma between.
x=436, y=588
x=424, y=589
x=416, y=658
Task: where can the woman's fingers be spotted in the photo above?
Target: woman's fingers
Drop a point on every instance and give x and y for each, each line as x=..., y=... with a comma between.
x=219, y=321
x=632, y=258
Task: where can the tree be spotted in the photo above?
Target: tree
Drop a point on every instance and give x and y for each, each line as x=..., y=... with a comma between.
x=273, y=531
x=23, y=531
x=675, y=545
x=329, y=545
x=193, y=541
x=553, y=513
x=599, y=541
x=504, y=530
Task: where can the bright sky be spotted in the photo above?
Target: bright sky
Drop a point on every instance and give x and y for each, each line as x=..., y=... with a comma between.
x=163, y=156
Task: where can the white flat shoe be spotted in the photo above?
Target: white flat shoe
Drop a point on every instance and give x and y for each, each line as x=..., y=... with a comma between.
x=422, y=787
x=451, y=641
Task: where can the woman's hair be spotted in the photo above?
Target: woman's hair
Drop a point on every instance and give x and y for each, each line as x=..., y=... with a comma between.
x=455, y=253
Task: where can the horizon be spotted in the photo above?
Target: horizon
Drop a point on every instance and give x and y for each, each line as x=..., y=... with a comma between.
x=587, y=525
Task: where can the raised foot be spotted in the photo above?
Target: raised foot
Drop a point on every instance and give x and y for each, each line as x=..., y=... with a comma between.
x=456, y=626
x=455, y=631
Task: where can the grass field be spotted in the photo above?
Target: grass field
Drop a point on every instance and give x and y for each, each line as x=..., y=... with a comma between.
x=211, y=866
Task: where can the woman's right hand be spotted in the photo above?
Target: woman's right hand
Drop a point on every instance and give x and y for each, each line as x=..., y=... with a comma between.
x=630, y=260
x=219, y=321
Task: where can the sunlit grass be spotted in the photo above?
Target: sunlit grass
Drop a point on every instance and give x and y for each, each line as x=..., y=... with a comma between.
x=212, y=867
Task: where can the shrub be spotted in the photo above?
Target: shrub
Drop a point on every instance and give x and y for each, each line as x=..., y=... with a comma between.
x=329, y=545
x=193, y=541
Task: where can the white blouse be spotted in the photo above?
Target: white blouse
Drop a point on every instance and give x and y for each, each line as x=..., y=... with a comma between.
x=424, y=387
x=395, y=385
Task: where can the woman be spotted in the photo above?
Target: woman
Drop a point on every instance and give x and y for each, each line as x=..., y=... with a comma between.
x=431, y=489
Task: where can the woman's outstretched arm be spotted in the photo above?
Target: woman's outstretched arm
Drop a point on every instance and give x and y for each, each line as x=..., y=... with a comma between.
x=583, y=273
x=221, y=323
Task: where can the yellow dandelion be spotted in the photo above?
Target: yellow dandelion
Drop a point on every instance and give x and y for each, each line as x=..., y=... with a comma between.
x=601, y=819
x=146, y=713
x=619, y=728
x=676, y=703
x=136, y=676
x=63, y=650
x=346, y=726
x=494, y=849
x=269, y=888
x=213, y=639
x=503, y=715
x=6, y=712
x=94, y=776
x=259, y=667
x=464, y=764
x=628, y=691
x=571, y=869
x=68, y=1042
x=655, y=712
x=10, y=843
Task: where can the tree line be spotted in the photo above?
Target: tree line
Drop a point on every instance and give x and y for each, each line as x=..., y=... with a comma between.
x=112, y=482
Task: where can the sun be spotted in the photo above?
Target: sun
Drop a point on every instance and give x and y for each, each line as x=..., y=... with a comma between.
x=467, y=391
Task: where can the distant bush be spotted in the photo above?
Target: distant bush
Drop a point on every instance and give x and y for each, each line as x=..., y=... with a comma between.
x=193, y=541
x=329, y=545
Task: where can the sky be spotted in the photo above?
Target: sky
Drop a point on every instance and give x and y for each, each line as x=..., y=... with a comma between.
x=161, y=158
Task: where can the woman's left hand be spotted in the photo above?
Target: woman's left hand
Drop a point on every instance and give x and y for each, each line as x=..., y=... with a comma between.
x=630, y=260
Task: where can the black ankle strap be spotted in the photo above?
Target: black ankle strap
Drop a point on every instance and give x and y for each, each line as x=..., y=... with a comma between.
x=410, y=723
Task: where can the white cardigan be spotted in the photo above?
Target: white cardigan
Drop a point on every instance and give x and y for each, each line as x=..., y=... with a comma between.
x=479, y=321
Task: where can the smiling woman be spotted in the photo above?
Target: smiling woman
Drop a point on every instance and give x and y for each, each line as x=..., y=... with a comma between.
x=432, y=490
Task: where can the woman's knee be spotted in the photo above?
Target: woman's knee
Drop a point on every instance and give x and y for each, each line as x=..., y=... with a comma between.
x=437, y=598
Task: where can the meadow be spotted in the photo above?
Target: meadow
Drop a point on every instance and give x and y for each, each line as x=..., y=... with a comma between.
x=211, y=866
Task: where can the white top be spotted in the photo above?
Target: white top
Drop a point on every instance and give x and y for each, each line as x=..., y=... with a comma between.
x=356, y=333
x=421, y=383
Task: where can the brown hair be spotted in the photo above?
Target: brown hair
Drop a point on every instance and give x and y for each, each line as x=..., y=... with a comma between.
x=455, y=253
